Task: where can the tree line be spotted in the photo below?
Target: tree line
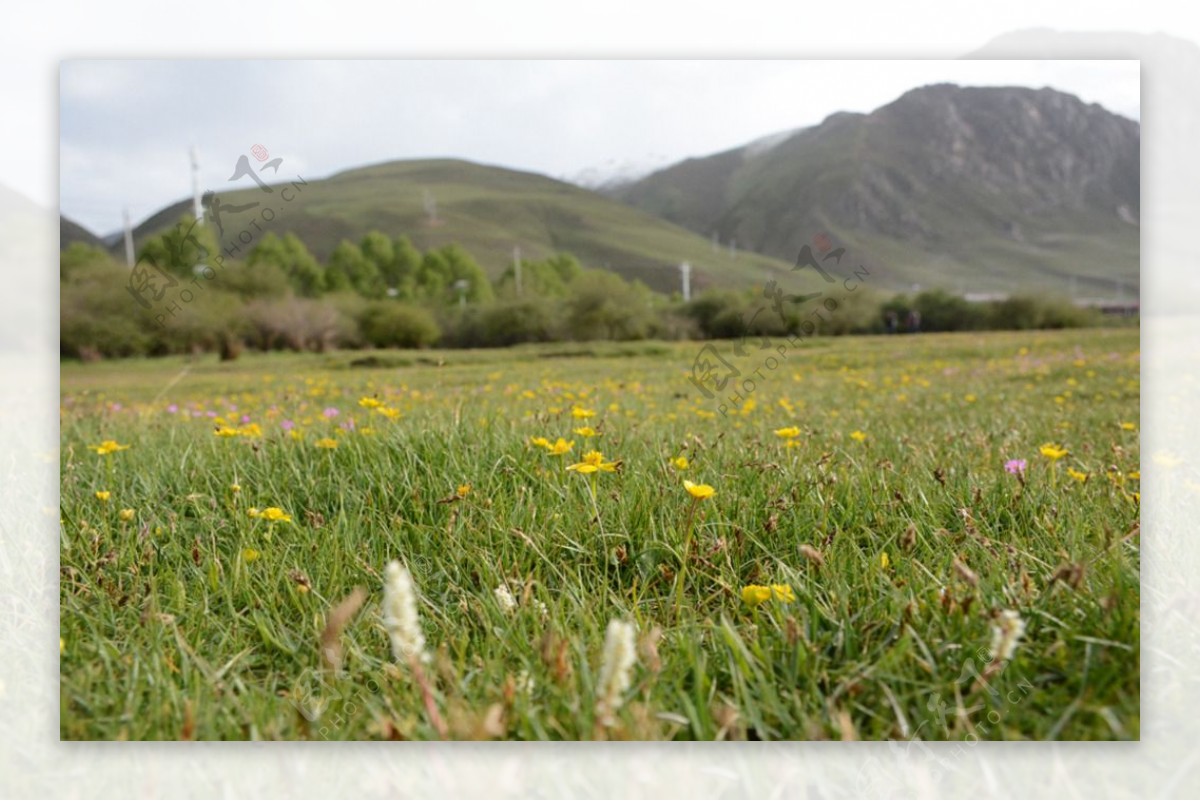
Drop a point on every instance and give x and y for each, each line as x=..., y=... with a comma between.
x=383, y=292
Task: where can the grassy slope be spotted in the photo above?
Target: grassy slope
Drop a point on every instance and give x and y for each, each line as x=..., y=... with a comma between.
x=169, y=631
x=488, y=210
x=777, y=201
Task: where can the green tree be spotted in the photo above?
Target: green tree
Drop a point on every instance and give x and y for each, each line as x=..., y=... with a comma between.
x=401, y=274
x=441, y=269
x=349, y=269
x=291, y=256
x=377, y=249
x=398, y=325
x=462, y=267
x=79, y=256
x=181, y=248
x=547, y=279
x=603, y=306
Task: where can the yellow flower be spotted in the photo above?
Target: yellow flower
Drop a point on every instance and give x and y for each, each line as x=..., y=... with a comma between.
x=680, y=463
x=125, y=514
x=235, y=488
x=226, y=431
x=783, y=592
x=540, y=442
x=108, y=446
x=389, y=412
x=560, y=447
x=249, y=554
x=699, y=491
x=1053, y=452
x=275, y=514
x=580, y=413
x=103, y=495
x=370, y=403
x=884, y=562
x=1128, y=426
x=753, y=594
x=791, y=432
x=252, y=511
x=969, y=398
x=326, y=442
x=586, y=432
x=593, y=461
x=1075, y=474
x=1134, y=475
x=250, y=430
x=857, y=436
x=463, y=490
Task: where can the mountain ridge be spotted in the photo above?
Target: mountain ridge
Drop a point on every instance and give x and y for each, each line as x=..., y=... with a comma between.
x=971, y=189
x=1021, y=177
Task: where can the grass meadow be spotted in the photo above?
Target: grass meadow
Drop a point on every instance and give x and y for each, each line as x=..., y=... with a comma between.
x=910, y=538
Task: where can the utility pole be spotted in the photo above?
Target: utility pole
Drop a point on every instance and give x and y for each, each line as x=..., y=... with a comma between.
x=430, y=206
x=517, y=267
x=686, y=270
x=128, y=240
x=197, y=209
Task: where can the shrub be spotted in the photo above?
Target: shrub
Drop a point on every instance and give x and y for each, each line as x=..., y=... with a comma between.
x=293, y=323
x=503, y=324
x=98, y=315
x=388, y=324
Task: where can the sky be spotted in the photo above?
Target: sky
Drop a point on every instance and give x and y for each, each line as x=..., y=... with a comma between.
x=127, y=127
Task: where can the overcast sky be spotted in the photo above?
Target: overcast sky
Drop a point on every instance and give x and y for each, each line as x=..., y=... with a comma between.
x=126, y=126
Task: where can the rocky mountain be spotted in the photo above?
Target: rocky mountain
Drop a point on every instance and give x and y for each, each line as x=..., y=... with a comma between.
x=967, y=188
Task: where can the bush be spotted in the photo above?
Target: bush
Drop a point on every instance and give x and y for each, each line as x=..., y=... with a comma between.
x=713, y=312
x=388, y=324
x=293, y=323
x=1025, y=312
x=941, y=311
x=859, y=312
x=602, y=305
x=98, y=315
x=503, y=324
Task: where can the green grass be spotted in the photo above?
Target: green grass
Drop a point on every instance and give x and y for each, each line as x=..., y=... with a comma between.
x=488, y=210
x=170, y=631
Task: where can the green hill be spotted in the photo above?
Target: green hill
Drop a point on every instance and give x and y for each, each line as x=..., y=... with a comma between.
x=489, y=210
x=971, y=189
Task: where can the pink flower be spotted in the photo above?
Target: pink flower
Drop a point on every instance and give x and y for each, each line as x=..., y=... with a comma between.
x=331, y=412
x=287, y=425
x=172, y=408
x=1015, y=466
